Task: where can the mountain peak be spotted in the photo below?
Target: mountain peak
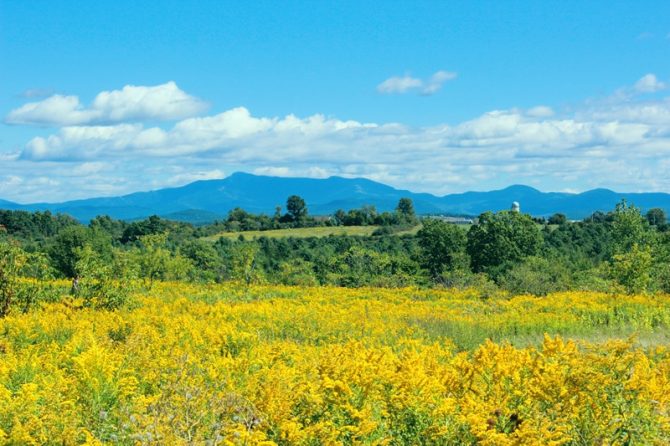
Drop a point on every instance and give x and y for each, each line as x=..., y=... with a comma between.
x=521, y=188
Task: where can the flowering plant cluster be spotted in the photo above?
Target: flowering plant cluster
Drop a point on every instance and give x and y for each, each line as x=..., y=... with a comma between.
x=275, y=365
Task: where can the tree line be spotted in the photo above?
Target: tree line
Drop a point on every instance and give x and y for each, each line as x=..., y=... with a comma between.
x=621, y=251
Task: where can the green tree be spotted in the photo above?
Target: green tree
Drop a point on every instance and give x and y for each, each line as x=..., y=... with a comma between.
x=339, y=217
x=208, y=262
x=296, y=208
x=96, y=283
x=156, y=262
x=153, y=257
x=656, y=217
x=442, y=246
x=405, y=210
x=499, y=240
x=557, y=219
x=628, y=228
x=68, y=244
x=632, y=269
x=106, y=224
x=244, y=265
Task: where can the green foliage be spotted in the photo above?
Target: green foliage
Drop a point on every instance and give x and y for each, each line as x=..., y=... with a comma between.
x=595, y=279
x=584, y=244
x=405, y=211
x=156, y=262
x=607, y=252
x=16, y=292
x=500, y=240
x=12, y=259
x=205, y=259
x=358, y=266
x=34, y=226
x=557, y=219
x=463, y=279
x=632, y=269
x=297, y=272
x=96, y=284
x=68, y=243
x=656, y=217
x=244, y=263
x=296, y=209
x=538, y=276
x=661, y=262
x=442, y=246
x=366, y=215
x=628, y=228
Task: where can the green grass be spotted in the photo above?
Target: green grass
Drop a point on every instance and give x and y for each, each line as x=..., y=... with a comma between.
x=319, y=231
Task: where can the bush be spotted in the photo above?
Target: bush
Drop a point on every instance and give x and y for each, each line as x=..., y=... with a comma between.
x=18, y=288
x=465, y=279
x=632, y=269
x=297, y=272
x=95, y=284
x=538, y=276
x=12, y=259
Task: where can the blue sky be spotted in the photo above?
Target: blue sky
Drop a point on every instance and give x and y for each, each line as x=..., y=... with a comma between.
x=105, y=98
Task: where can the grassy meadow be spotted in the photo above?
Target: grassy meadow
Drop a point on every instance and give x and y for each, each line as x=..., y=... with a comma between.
x=317, y=231
x=275, y=365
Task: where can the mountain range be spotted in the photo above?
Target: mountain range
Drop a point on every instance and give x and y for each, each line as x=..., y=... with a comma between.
x=208, y=200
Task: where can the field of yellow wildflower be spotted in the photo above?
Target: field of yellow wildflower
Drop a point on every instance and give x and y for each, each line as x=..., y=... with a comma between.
x=225, y=365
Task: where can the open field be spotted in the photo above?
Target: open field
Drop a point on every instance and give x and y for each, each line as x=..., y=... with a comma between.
x=229, y=365
x=319, y=231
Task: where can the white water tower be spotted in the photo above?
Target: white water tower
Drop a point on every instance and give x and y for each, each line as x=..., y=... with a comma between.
x=516, y=207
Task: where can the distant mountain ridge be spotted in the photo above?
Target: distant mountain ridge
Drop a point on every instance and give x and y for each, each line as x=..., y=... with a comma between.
x=208, y=200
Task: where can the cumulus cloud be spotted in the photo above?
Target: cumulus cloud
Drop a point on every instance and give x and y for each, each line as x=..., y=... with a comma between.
x=649, y=84
x=504, y=145
x=540, y=111
x=131, y=103
x=407, y=83
x=622, y=144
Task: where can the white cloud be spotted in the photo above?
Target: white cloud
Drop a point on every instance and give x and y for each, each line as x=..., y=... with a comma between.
x=286, y=171
x=622, y=144
x=435, y=82
x=507, y=146
x=131, y=103
x=541, y=111
x=32, y=93
x=407, y=83
x=649, y=84
x=399, y=84
x=55, y=110
x=189, y=177
x=82, y=142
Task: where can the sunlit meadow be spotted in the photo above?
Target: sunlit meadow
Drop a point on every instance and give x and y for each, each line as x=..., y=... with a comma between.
x=231, y=365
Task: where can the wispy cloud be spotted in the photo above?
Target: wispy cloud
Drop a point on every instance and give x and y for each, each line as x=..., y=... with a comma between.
x=407, y=84
x=399, y=84
x=33, y=93
x=131, y=103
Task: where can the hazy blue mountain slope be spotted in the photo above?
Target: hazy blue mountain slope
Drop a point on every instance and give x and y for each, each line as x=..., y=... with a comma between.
x=204, y=201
